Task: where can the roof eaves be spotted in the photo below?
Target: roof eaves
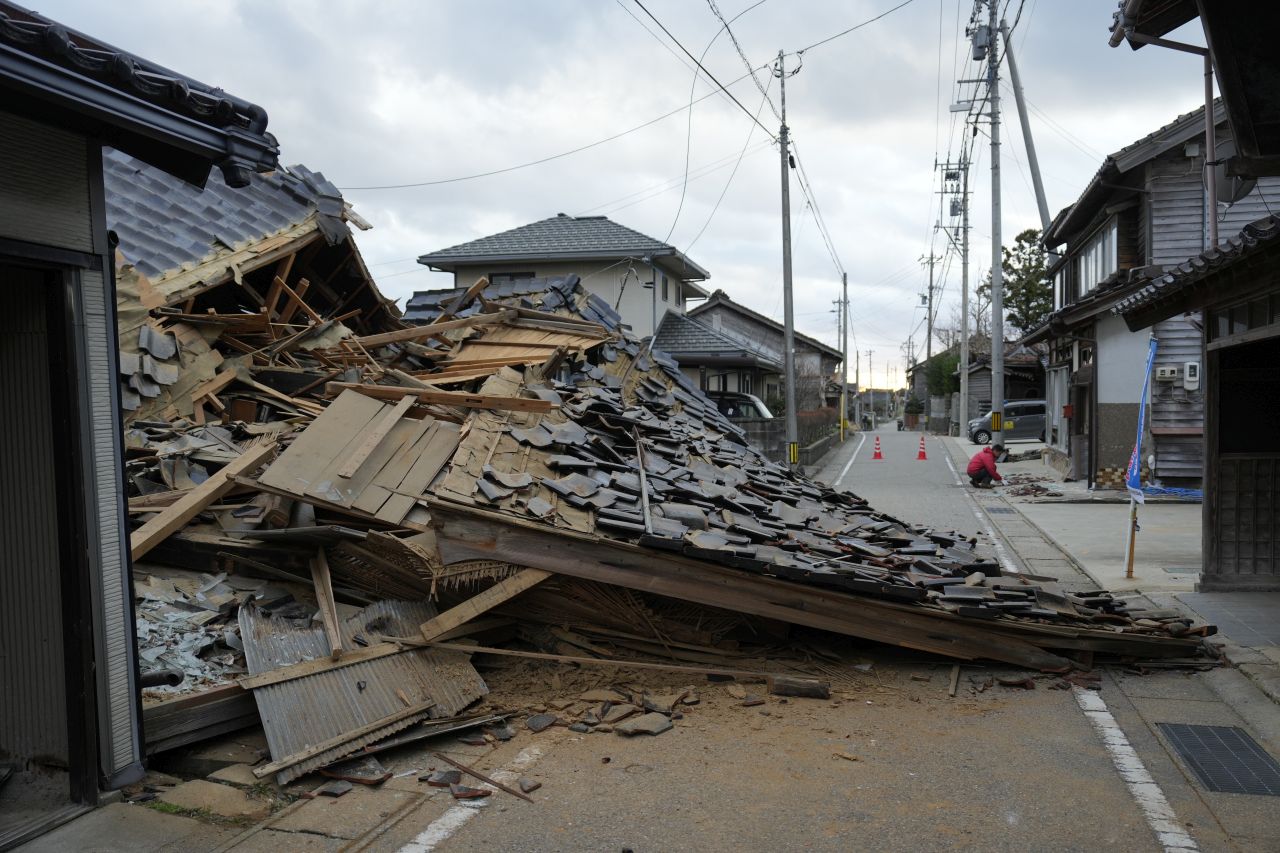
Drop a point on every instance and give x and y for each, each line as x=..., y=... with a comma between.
x=154, y=109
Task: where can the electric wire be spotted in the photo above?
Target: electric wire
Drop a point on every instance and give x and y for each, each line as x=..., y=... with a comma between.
x=842, y=33
x=698, y=62
x=715, y=10
x=550, y=158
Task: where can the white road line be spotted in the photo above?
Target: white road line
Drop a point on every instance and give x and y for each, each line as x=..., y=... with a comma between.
x=443, y=827
x=848, y=464
x=1002, y=554
x=1148, y=795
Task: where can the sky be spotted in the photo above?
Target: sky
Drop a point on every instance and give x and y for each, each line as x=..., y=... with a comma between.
x=414, y=91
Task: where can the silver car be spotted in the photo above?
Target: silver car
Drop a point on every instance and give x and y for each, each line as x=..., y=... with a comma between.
x=1023, y=419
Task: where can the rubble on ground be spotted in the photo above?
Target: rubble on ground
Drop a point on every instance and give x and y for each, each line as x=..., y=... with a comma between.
x=326, y=499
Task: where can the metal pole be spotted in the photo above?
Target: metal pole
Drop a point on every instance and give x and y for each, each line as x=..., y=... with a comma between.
x=844, y=352
x=997, y=271
x=653, y=310
x=964, y=297
x=928, y=341
x=788, y=307
x=871, y=380
x=1032, y=160
x=1210, y=153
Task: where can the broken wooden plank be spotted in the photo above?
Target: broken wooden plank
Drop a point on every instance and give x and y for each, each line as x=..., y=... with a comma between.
x=464, y=299
x=483, y=778
x=177, y=514
x=311, y=667
x=444, y=398
x=415, y=333
x=328, y=608
x=374, y=437
x=485, y=601
x=790, y=685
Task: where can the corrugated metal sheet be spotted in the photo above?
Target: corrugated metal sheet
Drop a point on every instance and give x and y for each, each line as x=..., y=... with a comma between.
x=105, y=507
x=33, y=702
x=311, y=710
x=44, y=181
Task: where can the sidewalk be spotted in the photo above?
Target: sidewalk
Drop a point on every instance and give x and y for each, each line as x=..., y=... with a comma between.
x=1089, y=529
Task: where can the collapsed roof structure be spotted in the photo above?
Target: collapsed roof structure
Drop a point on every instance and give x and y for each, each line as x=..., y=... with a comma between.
x=326, y=496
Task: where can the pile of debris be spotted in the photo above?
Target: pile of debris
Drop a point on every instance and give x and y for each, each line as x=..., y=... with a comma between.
x=325, y=498
x=1029, y=485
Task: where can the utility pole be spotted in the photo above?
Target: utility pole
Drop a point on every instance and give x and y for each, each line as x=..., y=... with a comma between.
x=1032, y=160
x=871, y=379
x=954, y=174
x=844, y=352
x=997, y=269
x=928, y=341
x=788, y=307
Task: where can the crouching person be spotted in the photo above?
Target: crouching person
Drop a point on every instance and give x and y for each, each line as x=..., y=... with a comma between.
x=982, y=467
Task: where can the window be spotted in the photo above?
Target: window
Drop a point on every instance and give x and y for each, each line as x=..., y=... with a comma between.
x=665, y=289
x=1060, y=287
x=1096, y=259
x=508, y=277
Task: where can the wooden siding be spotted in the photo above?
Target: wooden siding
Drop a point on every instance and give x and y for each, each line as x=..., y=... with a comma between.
x=1173, y=406
x=1177, y=214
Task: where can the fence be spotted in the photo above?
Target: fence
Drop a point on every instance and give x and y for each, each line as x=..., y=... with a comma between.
x=816, y=430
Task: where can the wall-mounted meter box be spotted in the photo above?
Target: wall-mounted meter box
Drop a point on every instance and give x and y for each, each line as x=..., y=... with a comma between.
x=1191, y=376
x=1167, y=373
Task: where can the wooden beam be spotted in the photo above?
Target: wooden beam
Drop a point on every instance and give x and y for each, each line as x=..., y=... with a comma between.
x=294, y=297
x=316, y=665
x=443, y=398
x=346, y=737
x=617, y=664
x=471, y=608
x=418, y=332
x=468, y=533
x=187, y=507
x=328, y=607
x=464, y=299
x=375, y=436
x=295, y=301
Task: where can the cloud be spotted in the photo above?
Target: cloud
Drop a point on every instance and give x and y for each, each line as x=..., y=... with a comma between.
x=400, y=91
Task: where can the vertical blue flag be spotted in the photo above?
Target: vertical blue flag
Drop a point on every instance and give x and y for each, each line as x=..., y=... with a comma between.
x=1133, y=476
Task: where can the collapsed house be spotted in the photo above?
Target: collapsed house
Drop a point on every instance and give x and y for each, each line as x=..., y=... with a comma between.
x=347, y=495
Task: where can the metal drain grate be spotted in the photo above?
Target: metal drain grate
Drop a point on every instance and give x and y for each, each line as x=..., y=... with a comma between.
x=1004, y=509
x=1224, y=758
x=1180, y=570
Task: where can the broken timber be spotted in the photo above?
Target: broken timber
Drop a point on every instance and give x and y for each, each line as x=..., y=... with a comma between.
x=467, y=533
x=444, y=398
x=471, y=608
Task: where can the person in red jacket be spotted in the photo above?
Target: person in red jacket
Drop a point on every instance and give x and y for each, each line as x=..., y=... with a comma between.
x=982, y=467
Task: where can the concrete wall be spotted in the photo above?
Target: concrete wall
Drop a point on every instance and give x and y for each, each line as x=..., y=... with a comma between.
x=1121, y=359
x=622, y=285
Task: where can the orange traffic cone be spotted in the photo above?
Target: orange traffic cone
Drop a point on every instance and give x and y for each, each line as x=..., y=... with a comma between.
x=921, y=455
x=877, y=455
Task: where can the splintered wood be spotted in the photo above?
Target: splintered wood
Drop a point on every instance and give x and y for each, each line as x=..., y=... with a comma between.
x=330, y=462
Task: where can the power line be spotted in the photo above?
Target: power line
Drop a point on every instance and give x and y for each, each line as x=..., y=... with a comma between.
x=548, y=159
x=688, y=132
x=807, y=189
x=697, y=62
x=854, y=27
x=715, y=10
x=750, y=131
x=654, y=190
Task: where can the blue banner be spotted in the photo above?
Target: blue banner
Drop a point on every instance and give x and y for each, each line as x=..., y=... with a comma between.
x=1133, y=476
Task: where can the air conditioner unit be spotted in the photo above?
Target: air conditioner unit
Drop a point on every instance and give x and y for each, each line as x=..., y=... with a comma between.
x=1168, y=374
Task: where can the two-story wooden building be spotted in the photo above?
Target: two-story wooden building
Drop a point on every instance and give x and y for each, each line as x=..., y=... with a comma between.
x=1145, y=210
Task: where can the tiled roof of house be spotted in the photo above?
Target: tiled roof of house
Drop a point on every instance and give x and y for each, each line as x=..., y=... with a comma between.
x=562, y=237
x=1176, y=283
x=722, y=298
x=686, y=338
x=546, y=293
x=166, y=224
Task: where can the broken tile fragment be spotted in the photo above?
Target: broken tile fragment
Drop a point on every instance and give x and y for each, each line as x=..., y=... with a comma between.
x=528, y=786
x=619, y=711
x=465, y=792
x=541, y=722
x=336, y=788
x=442, y=778
x=646, y=724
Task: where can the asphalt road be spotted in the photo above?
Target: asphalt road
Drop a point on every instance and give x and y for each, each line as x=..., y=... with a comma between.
x=922, y=492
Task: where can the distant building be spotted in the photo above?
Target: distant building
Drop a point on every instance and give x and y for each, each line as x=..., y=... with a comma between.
x=642, y=278
x=716, y=361
x=816, y=362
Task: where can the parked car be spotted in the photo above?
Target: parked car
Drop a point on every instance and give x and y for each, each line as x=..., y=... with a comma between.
x=736, y=406
x=1023, y=419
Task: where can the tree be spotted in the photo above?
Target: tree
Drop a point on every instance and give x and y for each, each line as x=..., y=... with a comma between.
x=940, y=374
x=1028, y=293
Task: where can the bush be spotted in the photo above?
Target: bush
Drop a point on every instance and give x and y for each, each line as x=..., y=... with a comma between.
x=913, y=406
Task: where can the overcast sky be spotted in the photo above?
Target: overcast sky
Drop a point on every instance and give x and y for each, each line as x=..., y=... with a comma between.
x=403, y=92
